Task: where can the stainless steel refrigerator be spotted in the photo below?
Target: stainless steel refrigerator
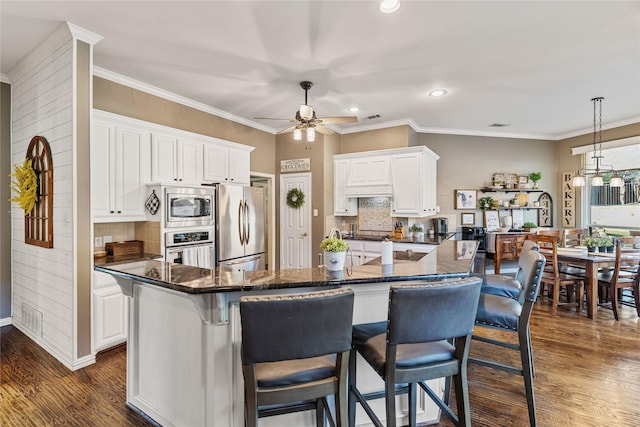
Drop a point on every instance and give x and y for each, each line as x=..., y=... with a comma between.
x=240, y=227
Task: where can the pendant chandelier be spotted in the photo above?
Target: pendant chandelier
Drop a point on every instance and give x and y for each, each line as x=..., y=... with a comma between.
x=579, y=180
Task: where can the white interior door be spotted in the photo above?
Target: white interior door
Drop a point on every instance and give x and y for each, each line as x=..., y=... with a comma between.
x=295, y=224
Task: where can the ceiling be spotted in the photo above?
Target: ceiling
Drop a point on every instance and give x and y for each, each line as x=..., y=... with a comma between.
x=532, y=65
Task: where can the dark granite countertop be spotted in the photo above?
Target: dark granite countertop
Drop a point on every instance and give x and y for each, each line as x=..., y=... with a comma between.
x=434, y=240
x=448, y=260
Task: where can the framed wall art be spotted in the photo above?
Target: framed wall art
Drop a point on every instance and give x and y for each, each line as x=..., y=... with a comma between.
x=545, y=214
x=468, y=218
x=491, y=220
x=466, y=199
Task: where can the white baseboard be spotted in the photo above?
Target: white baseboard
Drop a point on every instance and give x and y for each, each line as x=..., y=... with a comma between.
x=5, y=321
x=69, y=364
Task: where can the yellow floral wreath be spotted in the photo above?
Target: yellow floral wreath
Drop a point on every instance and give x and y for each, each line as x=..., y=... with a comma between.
x=295, y=198
x=25, y=185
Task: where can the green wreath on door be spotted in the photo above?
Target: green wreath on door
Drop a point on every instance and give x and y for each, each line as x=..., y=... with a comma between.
x=295, y=198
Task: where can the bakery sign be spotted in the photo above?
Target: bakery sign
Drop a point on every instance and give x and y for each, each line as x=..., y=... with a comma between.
x=568, y=201
x=295, y=165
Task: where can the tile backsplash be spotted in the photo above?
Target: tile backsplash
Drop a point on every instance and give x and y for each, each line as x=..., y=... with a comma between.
x=374, y=214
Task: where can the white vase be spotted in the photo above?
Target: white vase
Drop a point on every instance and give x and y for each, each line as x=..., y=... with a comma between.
x=334, y=260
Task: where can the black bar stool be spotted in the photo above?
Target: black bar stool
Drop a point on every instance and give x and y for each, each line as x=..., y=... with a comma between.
x=508, y=314
x=295, y=350
x=413, y=346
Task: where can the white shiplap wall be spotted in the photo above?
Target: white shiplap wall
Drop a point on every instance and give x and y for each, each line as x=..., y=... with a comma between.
x=43, y=279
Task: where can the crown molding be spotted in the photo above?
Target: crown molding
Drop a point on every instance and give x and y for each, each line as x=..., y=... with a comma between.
x=81, y=34
x=620, y=123
x=4, y=78
x=170, y=96
x=442, y=131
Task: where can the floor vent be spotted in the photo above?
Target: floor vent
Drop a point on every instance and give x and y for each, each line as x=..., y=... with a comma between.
x=32, y=319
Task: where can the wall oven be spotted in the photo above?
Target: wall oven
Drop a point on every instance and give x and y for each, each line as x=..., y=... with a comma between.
x=189, y=207
x=191, y=247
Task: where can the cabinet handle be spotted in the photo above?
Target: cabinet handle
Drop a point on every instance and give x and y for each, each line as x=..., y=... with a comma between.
x=175, y=179
x=119, y=212
x=231, y=179
x=112, y=212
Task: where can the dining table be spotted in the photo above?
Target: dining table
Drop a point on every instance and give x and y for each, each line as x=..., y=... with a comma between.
x=592, y=262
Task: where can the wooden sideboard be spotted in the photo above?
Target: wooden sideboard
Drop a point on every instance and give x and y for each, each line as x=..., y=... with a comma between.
x=507, y=247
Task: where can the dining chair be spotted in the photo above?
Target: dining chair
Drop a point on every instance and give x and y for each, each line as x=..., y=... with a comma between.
x=625, y=274
x=508, y=314
x=295, y=352
x=554, y=279
x=572, y=237
x=426, y=336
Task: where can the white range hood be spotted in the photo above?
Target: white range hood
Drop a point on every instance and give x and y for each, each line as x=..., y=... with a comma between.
x=369, y=177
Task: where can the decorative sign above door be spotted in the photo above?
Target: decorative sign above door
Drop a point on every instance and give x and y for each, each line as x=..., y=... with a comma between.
x=295, y=165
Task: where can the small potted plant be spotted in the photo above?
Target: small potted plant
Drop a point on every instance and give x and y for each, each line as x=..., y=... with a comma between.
x=535, y=177
x=604, y=243
x=485, y=202
x=335, y=251
x=416, y=231
x=527, y=226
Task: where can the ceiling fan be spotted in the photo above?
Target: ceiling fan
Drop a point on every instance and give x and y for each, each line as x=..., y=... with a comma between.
x=306, y=119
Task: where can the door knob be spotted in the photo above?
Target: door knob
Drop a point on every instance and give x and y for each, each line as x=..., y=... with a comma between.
x=305, y=234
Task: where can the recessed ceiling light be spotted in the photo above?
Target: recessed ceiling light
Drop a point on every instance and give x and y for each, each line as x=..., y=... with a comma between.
x=353, y=109
x=438, y=92
x=389, y=6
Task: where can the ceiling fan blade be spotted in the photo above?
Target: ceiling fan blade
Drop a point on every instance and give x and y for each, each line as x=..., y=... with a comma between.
x=343, y=119
x=269, y=118
x=289, y=129
x=323, y=130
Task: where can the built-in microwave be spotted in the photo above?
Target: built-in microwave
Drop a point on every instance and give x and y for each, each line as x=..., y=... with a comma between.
x=189, y=206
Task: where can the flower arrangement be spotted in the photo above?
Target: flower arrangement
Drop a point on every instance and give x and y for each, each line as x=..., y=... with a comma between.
x=333, y=244
x=597, y=241
x=529, y=225
x=25, y=185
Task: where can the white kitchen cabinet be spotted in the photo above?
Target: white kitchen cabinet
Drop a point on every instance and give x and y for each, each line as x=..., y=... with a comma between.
x=226, y=165
x=342, y=205
x=119, y=171
x=110, y=314
x=369, y=171
x=413, y=174
x=176, y=160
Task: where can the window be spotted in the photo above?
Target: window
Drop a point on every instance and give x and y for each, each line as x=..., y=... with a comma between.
x=616, y=206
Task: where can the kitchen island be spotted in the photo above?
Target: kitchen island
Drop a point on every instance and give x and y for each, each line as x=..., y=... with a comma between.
x=183, y=350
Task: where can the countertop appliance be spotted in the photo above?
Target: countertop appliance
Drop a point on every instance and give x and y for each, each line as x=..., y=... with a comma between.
x=476, y=233
x=191, y=247
x=189, y=206
x=440, y=225
x=240, y=227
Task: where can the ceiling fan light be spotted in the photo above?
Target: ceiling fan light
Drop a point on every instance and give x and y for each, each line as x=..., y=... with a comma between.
x=578, y=181
x=597, y=181
x=297, y=135
x=389, y=6
x=616, y=181
x=311, y=134
x=306, y=112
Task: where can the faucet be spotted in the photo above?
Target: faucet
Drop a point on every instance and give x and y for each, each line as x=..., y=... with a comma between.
x=335, y=231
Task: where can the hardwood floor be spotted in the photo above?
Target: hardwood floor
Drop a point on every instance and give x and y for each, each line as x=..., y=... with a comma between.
x=588, y=374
